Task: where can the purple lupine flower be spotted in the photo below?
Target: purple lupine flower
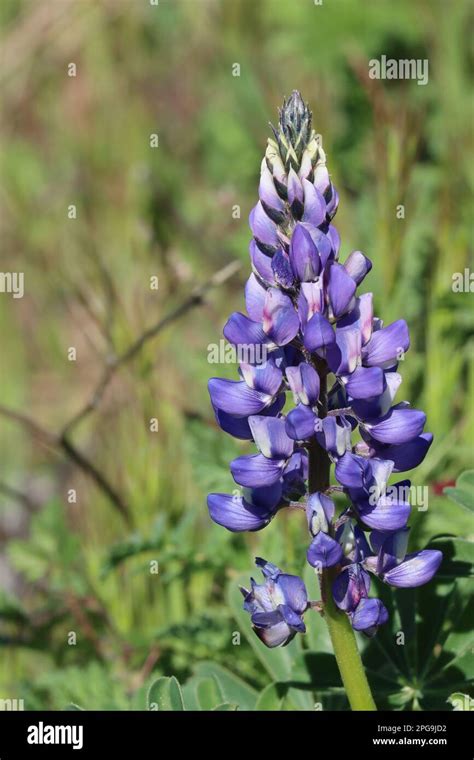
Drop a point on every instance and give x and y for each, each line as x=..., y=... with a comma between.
x=277, y=605
x=304, y=312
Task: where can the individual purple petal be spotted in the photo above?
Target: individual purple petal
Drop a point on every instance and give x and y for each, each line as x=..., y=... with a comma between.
x=343, y=355
x=362, y=549
x=304, y=256
x=314, y=205
x=266, y=377
x=300, y=423
x=256, y=470
x=242, y=331
x=365, y=382
x=357, y=266
x=236, y=397
x=341, y=288
x=408, y=455
x=322, y=243
x=261, y=264
x=310, y=300
x=360, y=317
x=387, y=345
x=334, y=239
x=320, y=511
x=276, y=634
x=392, y=550
x=400, y=425
x=239, y=427
x=369, y=614
x=236, y=514
x=263, y=229
x=269, y=570
x=270, y=437
x=321, y=178
x=295, y=194
x=324, y=551
x=280, y=320
x=350, y=586
x=304, y=382
x=271, y=201
x=332, y=203
x=334, y=435
x=417, y=569
x=282, y=270
x=294, y=592
x=353, y=471
x=292, y=618
x=254, y=298
x=318, y=333
x=378, y=406
x=387, y=514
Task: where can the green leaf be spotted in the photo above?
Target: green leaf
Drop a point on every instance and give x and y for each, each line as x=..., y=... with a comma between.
x=165, y=694
x=271, y=698
x=317, y=632
x=463, y=492
x=233, y=688
x=458, y=557
x=226, y=707
x=208, y=693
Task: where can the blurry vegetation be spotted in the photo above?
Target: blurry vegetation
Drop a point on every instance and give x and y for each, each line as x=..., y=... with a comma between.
x=85, y=140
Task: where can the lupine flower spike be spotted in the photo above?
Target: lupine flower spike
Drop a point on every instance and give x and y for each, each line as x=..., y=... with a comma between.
x=311, y=325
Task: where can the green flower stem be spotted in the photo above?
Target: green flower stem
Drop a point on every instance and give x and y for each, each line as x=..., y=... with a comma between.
x=340, y=630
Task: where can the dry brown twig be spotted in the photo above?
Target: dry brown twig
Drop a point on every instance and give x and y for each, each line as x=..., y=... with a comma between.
x=63, y=440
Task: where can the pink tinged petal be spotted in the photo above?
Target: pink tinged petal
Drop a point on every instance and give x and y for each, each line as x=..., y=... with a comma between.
x=334, y=436
x=304, y=382
x=357, y=266
x=266, y=378
x=387, y=345
x=280, y=320
x=304, y=256
x=235, y=397
x=256, y=470
x=294, y=592
x=344, y=355
x=417, y=569
x=235, y=514
x=365, y=382
x=295, y=193
x=321, y=179
x=263, y=229
x=242, y=331
x=318, y=333
x=270, y=436
x=254, y=298
x=300, y=423
x=360, y=317
x=400, y=425
x=261, y=264
x=314, y=205
x=324, y=551
x=341, y=288
x=310, y=300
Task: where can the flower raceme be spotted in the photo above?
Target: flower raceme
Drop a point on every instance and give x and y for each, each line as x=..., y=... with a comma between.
x=312, y=326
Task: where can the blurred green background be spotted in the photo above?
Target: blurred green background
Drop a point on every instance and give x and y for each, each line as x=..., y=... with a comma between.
x=167, y=211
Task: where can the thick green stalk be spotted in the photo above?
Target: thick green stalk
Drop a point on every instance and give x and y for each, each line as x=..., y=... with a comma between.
x=340, y=630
